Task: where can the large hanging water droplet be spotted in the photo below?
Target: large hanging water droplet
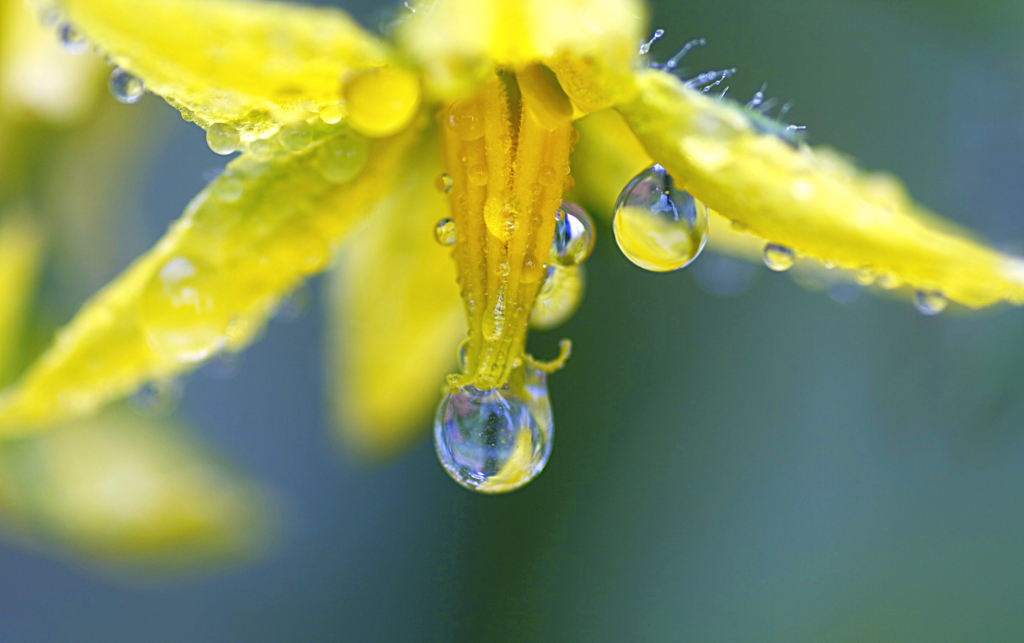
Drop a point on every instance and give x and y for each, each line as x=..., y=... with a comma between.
x=778, y=258
x=71, y=40
x=574, y=236
x=657, y=226
x=343, y=157
x=297, y=136
x=180, y=314
x=559, y=297
x=126, y=88
x=445, y=232
x=930, y=303
x=496, y=440
x=223, y=138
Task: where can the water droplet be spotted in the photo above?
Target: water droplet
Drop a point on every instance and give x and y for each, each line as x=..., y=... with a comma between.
x=228, y=187
x=263, y=148
x=332, y=113
x=845, y=292
x=657, y=226
x=463, y=355
x=865, y=276
x=496, y=440
x=70, y=40
x=889, y=281
x=444, y=184
x=223, y=138
x=558, y=297
x=158, y=398
x=343, y=157
x=466, y=118
x=445, y=232
x=180, y=314
x=126, y=88
x=296, y=137
x=548, y=176
x=478, y=175
x=574, y=236
x=778, y=258
x=930, y=303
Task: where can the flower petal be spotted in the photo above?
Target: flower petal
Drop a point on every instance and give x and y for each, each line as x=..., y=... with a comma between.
x=399, y=317
x=812, y=201
x=591, y=44
x=213, y=280
x=607, y=156
x=21, y=246
x=253, y=65
x=121, y=490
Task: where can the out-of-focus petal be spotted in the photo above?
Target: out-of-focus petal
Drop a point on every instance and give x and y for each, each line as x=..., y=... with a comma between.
x=21, y=254
x=127, y=492
x=212, y=281
x=812, y=201
x=398, y=315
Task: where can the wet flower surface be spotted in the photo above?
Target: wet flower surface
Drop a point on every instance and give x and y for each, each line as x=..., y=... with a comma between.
x=485, y=100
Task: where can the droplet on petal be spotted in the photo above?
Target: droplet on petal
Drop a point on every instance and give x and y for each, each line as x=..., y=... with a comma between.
x=296, y=137
x=343, y=157
x=228, y=187
x=657, y=226
x=463, y=353
x=495, y=440
x=889, y=281
x=559, y=297
x=126, y=88
x=223, y=138
x=332, y=113
x=181, y=317
x=444, y=184
x=778, y=258
x=865, y=276
x=930, y=303
x=71, y=40
x=574, y=236
x=445, y=232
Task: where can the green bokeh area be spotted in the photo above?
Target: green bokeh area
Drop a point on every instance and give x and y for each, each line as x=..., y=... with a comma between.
x=775, y=466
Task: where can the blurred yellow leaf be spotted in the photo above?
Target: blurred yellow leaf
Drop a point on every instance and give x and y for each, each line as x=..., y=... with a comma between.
x=21, y=246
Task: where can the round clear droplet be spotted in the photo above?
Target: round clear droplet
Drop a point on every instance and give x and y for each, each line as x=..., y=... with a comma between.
x=865, y=276
x=332, y=113
x=444, y=184
x=126, y=88
x=778, y=258
x=445, y=232
x=889, y=281
x=574, y=236
x=71, y=40
x=559, y=296
x=930, y=303
x=180, y=312
x=464, y=355
x=297, y=136
x=496, y=440
x=228, y=187
x=657, y=226
x=223, y=138
x=342, y=157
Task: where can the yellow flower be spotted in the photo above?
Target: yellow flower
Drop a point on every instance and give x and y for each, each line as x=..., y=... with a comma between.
x=120, y=490
x=343, y=137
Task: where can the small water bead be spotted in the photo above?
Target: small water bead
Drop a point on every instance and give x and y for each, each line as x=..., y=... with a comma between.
x=657, y=226
x=466, y=118
x=71, y=40
x=574, y=236
x=264, y=148
x=179, y=312
x=464, y=355
x=296, y=137
x=865, y=276
x=126, y=88
x=778, y=258
x=343, y=157
x=559, y=297
x=478, y=175
x=444, y=231
x=889, y=281
x=223, y=138
x=496, y=440
x=332, y=113
x=444, y=184
x=929, y=302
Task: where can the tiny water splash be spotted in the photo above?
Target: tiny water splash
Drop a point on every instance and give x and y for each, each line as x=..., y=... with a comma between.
x=126, y=88
x=574, y=236
x=657, y=226
x=496, y=440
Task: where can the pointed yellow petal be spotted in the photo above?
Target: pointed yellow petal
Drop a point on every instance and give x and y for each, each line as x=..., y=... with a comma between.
x=120, y=490
x=591, y=44
x=607, y=156
x=249, y=65
x=21, y=246
x=213, y=280
x=812, y=201
x=399, y=317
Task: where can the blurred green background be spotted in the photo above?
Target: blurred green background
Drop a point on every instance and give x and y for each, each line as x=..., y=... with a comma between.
x=774, y=466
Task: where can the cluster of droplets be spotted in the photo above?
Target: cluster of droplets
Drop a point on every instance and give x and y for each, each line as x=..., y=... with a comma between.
x=658, y=226
x=496, y=440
